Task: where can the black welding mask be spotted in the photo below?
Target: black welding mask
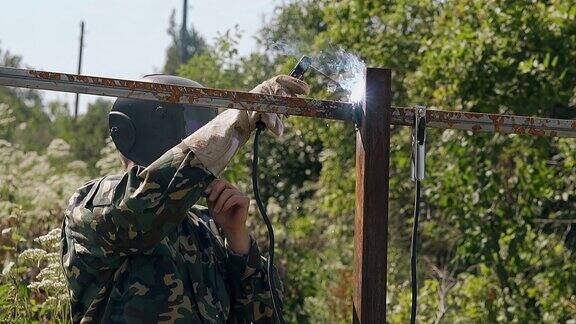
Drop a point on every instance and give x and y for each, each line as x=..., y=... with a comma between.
x=143, y=130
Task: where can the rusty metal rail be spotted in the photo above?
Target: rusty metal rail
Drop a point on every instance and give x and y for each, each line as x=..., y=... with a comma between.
x=493, y=123
x=206, y=97
x=215, y=98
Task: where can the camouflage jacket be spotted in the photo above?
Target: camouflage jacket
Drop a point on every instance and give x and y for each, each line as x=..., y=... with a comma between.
x=135, y=249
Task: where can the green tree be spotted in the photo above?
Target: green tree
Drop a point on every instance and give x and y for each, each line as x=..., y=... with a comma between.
x=485, y=192
x=492, y=247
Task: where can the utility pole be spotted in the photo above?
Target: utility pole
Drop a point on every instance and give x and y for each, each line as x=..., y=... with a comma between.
x=184, y=33
x=79, y=71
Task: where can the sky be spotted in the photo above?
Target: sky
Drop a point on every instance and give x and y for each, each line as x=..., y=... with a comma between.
x=123, y=38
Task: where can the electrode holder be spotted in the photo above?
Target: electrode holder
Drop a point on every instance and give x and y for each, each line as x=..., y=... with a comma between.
x=419, y=144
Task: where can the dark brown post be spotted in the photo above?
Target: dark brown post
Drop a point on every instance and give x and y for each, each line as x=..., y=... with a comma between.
x=371, y=224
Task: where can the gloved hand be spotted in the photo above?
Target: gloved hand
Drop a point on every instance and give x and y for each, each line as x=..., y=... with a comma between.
x=216, y=143
x=280, y=85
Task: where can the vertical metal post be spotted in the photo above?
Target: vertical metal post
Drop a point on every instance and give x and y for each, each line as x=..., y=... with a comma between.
x=371, y=223
x=76, y=103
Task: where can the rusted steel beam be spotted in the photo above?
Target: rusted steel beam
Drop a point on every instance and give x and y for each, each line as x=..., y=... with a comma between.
x=206, y=97
x=492, y=123
x=371, y=219
x=215, y=98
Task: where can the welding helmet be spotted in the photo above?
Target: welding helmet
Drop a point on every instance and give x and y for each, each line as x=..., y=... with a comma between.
x=143, y=130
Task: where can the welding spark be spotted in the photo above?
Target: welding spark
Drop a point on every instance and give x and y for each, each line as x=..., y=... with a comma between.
x=357, y=91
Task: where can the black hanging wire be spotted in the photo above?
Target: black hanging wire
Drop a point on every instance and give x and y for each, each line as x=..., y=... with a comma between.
x=413, y=253
x=418, y=173
x=260, y=126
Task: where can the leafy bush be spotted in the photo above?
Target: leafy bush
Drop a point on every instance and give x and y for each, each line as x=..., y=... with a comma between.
x=34, y=190
x=497, y=244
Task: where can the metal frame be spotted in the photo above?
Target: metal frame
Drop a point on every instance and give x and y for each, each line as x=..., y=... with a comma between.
x=84, y=84
x=373, y=116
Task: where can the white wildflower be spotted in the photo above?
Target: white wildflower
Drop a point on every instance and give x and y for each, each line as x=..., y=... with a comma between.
x=32, y=255
x=58, y=149
x=77, y=166
x=50, y=240
x=6, y=115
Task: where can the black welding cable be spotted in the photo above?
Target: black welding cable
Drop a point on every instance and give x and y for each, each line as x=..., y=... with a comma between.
x=413, y=253
x=260, y=126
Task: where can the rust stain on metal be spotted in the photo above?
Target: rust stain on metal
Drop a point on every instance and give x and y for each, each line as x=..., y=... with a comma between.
x=470, y=115
x=447, y=118
x=518, y=129
x=476, y=128
x=175, y=94
x=498, y=121
x=536, y=132
x=573, y=124
x=46, y=75
x=165, y=92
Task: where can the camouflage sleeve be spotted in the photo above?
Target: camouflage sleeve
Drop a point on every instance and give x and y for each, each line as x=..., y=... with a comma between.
x=251, y=301
x=149, y=203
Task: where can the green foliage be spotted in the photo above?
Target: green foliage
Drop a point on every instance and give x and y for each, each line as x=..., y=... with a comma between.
x=46, y=296
x=493, y=249
x=44, y=156
x=33, y=192
x=220, y=66
x=486, y=195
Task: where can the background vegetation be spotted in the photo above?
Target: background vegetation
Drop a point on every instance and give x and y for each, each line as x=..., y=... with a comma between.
x=497, y=242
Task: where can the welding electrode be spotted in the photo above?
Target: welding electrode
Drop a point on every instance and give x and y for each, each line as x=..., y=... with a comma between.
x=304, y=64
x=339, y=88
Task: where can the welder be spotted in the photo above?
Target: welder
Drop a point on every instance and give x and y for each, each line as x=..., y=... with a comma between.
x=136, y=248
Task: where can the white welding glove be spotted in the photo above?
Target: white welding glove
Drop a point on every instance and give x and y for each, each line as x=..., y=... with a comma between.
x=216, y=142
x=280, y=85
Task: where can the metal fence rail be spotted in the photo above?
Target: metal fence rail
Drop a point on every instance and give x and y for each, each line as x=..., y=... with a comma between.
x=216, y=98
x=493, y=123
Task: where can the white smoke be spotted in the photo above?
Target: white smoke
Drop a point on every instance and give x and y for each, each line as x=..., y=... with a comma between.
x=344, y=67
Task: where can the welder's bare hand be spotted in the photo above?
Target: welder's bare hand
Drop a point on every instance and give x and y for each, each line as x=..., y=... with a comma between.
x=280, y=85
x=228, y=206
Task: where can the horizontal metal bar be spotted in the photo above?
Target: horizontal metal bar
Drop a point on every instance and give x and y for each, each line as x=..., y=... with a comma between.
x=215, y=98
x=493, y=123
x=206, y=97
